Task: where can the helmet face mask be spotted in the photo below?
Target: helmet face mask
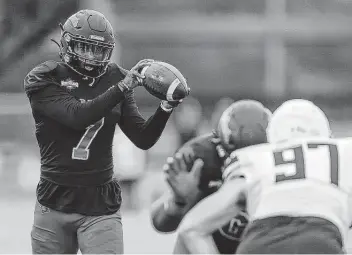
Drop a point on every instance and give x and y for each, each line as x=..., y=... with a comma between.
x=87, y=43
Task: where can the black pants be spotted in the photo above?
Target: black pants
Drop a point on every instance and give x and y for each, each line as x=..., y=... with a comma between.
x=291, y=235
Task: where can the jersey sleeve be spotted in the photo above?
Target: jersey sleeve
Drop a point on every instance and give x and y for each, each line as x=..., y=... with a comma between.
x=235, y=167
x=143, y=133
x=48, y=98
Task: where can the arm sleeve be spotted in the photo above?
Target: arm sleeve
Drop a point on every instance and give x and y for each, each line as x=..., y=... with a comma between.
x=234, y=168
x=165, y=215
x=143, y=133
x=56, y=103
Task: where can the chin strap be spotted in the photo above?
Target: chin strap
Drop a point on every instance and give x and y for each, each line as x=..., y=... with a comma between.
x=58, y=44
x=60, y=47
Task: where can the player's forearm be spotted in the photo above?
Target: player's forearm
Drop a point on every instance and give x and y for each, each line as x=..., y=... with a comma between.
x=144, y=134
x=199, y=244
x=67, y=110
x=91, y=111
x=166, y=215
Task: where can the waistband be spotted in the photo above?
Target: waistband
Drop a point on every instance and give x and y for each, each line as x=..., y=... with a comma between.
x=78, y=179
x=269, y=223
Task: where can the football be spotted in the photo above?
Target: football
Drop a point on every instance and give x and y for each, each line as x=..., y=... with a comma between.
x=165, y=81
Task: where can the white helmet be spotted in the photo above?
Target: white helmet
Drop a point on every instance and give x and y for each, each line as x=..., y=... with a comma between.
x=297, y=118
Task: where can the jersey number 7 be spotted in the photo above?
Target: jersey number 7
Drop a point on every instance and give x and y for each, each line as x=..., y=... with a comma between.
x=81, y=151
x=299, y=161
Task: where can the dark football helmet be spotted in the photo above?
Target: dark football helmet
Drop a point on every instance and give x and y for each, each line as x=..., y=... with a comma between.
x=242, y=124
x=87, y=42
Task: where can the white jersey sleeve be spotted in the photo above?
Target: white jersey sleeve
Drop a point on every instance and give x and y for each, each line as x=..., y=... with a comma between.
x=310, y=177
x=232, y=168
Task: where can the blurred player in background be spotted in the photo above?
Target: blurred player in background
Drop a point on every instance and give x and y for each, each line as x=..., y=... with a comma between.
x=208, y=153
x=297, y=189
x=76, y=105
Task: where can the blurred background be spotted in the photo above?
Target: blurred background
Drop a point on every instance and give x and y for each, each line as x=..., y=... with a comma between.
x=269, y=50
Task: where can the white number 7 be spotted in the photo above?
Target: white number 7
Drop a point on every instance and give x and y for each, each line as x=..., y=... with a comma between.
x=81, y=151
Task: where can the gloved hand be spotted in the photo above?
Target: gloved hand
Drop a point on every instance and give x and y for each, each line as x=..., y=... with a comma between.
x=133, y=78
x=184, y=182
x=168, y=106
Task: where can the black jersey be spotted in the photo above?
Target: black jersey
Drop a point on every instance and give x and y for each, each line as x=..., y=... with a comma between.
x=75, y=120
x=207, y=147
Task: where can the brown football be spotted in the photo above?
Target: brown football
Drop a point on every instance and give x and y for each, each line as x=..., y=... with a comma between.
x=165, y=81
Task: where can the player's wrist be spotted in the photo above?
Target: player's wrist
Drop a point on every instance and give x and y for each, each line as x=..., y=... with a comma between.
x=173, y=206
x=166, y=107
x=123, y=87
x=179, y=202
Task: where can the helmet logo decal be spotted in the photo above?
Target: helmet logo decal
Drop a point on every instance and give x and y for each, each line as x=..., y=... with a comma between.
x=75, y=21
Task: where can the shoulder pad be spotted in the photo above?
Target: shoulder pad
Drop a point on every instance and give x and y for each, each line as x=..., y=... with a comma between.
x=45, y=67
x=196, y=142
x=39, y=76
x=203, y=140
x=201, y=145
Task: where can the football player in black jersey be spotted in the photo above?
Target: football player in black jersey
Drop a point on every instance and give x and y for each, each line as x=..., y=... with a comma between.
x=76, y=104
x=207, y=154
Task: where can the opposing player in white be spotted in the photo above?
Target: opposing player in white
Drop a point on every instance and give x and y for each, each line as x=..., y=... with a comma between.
x=297, y=189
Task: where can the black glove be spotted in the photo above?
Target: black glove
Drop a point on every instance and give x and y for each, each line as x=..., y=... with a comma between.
x=133, y=77
x=168, y=106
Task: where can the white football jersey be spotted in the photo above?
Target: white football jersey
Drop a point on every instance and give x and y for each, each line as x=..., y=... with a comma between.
x=306, y=177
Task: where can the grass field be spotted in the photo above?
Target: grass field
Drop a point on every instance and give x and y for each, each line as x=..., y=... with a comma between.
x=16, y=220
x=139, y=236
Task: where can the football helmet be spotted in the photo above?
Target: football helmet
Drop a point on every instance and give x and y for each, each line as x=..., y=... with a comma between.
x=87, y=42
x=297, y=118
x=242, y=124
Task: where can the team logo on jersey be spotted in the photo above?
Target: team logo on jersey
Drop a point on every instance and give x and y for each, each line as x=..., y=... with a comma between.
x=69, y=84
x=234, y=229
